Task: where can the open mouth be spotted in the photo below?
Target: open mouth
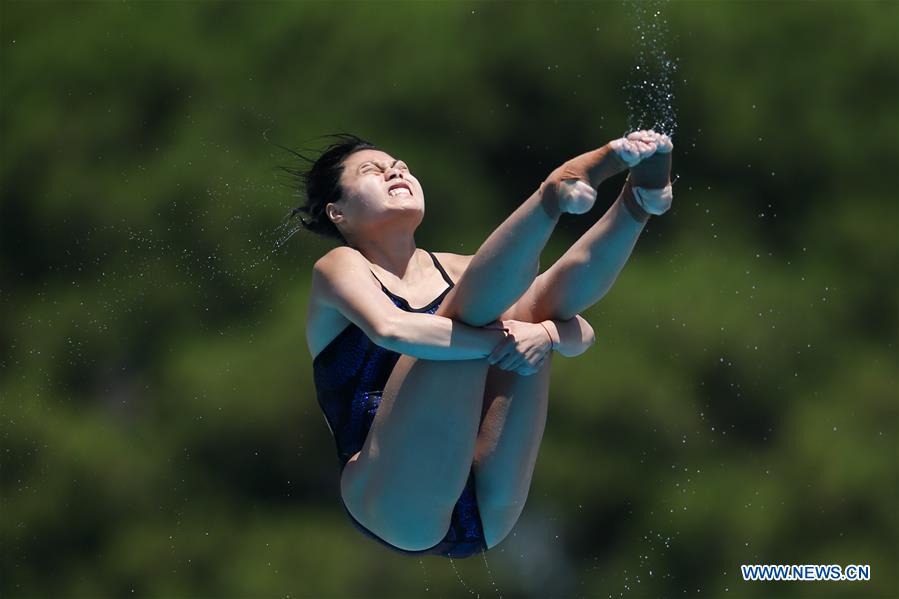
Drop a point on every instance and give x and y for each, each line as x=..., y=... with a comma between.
x=399, y=189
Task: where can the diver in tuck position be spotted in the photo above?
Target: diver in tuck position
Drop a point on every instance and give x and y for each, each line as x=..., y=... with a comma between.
x=432, y=369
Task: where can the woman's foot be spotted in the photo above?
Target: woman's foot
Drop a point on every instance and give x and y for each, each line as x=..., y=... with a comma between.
x=653, y=202
x=636, y=147
x=653, y=169
x=575, y=196
x=571, y=188
x=648, y=189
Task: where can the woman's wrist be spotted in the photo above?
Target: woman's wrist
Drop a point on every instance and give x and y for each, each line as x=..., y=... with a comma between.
x=550, y=327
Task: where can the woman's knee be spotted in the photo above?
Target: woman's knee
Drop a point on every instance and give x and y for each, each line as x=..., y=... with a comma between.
x=475, y=307
x=409, y=524
x=498, y=523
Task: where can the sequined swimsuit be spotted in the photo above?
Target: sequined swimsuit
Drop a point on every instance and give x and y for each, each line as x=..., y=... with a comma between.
x=350, y=374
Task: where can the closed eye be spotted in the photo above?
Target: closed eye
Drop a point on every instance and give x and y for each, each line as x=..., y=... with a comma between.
x=380, y=167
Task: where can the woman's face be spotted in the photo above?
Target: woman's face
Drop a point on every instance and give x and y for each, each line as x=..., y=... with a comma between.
x=379, y=193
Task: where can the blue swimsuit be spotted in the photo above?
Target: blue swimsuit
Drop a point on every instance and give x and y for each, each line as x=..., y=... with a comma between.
x=350, y=375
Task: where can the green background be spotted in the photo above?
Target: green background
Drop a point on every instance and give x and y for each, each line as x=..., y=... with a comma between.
x=160, y=432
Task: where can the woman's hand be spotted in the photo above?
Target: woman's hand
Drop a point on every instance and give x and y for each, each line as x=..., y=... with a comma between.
x=523, y=350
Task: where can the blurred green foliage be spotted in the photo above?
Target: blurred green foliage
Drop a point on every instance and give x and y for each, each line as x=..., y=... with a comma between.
x=161, y=435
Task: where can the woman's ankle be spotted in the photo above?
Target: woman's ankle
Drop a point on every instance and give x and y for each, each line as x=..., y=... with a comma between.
x=629, y=202
x=549, y=199
x=653, y=172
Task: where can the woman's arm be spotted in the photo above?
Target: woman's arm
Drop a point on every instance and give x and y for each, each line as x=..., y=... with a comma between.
x=341, y=280
x=529, y=343
x=570, y=337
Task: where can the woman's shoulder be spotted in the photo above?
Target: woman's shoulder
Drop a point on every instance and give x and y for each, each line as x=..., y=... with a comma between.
x=341, y=255
x=340, y=268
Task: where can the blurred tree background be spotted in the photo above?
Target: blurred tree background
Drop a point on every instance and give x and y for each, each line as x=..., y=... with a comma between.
x=161, y=436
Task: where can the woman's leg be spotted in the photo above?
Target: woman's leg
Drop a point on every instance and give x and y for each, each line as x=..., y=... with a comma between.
x=515, y=406
x=416, y=459
x=586, y=272
x=515, y=409
x=507, y=262
x=418, y=454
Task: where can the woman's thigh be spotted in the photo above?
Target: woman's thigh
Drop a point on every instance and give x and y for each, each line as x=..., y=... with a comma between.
x=417, y=456
x=514, y=417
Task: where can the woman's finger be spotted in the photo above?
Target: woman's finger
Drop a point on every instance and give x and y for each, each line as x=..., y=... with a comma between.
x=508, y=361
x=525, y=370
x=521, y=367
x=505, y=356
x=511, y=360
x=500, y=351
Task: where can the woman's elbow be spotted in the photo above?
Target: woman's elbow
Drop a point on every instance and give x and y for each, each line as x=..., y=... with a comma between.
x=385, y=332
x=591, y=339
x=588, y=337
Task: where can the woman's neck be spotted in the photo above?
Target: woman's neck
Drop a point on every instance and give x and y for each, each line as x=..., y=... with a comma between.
x=392, y=253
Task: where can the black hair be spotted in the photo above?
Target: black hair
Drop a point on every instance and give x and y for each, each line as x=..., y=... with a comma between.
x=319, y=183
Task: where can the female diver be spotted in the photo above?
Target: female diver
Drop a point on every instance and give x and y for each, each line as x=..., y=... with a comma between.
x=432, y=369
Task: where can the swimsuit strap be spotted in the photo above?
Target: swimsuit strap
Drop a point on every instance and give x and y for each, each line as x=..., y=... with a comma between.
x=379, y=281
x=439, y=267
